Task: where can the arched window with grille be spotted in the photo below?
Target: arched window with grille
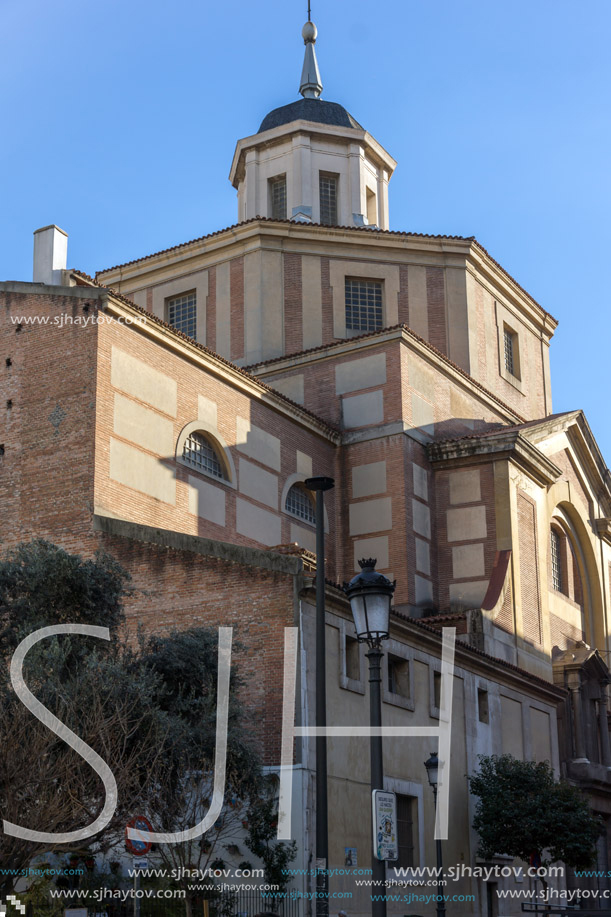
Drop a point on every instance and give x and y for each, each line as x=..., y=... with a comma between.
x=199, y=451
x=299, y=503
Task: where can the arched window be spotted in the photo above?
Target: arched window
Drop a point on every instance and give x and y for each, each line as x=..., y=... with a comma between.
x=299, y=503
x=199, y=452
x=556, y=558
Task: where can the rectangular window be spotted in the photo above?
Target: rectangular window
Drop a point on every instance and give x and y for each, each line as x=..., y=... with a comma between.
x=353, y=659
x=363, y=305
x=398, y=676
x=181, y=313
x=372, y=208
x=277, y=196
x=405, y=831
x=510, y=344
x=328, y=198
x=556, y=567
x=482, y=705
x=437, y=690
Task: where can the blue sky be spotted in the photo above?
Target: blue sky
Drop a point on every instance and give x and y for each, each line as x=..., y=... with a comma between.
x=120, y=120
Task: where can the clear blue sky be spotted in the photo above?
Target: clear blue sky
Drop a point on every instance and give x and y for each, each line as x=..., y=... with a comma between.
x=120, y=119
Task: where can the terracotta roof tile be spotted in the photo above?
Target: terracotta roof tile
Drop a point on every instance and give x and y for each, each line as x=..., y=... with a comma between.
x=218, y=232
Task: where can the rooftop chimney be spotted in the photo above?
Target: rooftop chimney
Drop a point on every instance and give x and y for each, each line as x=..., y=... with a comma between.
x=50, y=255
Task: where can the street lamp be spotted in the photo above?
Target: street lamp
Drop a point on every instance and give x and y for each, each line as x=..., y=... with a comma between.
x=370, y=595
x=432, y=772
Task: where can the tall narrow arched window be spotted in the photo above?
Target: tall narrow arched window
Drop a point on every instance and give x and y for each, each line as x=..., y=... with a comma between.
x=556, y=559
x=299, y=503
x=199, y=452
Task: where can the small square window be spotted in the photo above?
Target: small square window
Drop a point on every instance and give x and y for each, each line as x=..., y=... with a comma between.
x=482, y=705
x=277, y=196
x=398, y=676
x=363, y=305
x=181, y=313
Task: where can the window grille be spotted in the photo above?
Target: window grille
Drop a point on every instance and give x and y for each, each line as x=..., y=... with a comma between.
x=277, y=188
x=199, y=452
x=298, y=503
x=328, y=199
x=181, y=312
x=556, y=563
x=405, y=831
x=508, y=337
x=363, y=305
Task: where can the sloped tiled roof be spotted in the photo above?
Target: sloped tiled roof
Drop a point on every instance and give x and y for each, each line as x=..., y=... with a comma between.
x=90, y=281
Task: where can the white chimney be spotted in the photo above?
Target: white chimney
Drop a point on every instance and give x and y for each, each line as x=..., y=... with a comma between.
x=50, y=255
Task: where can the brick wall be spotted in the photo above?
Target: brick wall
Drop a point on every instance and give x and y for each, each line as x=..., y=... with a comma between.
x=48, y=375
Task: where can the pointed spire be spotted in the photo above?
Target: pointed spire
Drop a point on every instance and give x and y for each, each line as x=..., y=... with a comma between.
x=311, y=87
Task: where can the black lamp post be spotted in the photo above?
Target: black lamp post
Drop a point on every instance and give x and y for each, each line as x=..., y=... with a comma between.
x=370, y=594
x=320, y=485
x=432, y=772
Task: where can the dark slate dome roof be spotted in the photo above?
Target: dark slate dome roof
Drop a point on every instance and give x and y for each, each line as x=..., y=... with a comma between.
x=317, y=110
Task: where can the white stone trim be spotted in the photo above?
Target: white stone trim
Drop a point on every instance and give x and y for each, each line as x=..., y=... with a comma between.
x=505, y=317
x=223, y=452
x=388, y=273
x=409, y=788
x=346, y=629
x=401, y=651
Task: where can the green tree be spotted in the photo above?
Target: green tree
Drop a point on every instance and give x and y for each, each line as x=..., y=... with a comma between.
x=522, y=810
x=276, y=856
x=92, y=686
x=149, y=710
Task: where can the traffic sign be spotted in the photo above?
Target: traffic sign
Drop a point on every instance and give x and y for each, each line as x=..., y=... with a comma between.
x=137, y=845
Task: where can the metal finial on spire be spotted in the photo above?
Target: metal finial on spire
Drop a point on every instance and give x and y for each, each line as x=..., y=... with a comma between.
x=311, y=86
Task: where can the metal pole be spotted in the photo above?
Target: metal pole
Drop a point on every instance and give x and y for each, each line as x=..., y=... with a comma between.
x=136, y=890
x=378, y=867
x=441, y=904
x=322, y=831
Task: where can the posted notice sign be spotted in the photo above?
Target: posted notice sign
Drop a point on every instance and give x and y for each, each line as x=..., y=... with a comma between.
x=384, y=811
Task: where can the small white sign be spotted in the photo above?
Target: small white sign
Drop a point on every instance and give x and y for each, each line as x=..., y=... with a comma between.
x=76, y=912
x=141, y=863
x=384, y=811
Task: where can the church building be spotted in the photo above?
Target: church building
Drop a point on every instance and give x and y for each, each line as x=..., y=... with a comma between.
x=171, y=409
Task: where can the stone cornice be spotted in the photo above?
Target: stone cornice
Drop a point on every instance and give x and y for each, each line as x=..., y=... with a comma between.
x=510, y=444
x=331, y=241
x=195, y=544
x=577, y=429
x=287, y=236
x=314, y=128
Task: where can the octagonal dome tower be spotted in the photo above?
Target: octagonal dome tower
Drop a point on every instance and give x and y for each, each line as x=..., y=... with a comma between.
x=312, y=162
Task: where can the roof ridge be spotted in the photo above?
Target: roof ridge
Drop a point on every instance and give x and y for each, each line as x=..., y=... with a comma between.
x=260, y=219
x=379, y=332
x=243, y=372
